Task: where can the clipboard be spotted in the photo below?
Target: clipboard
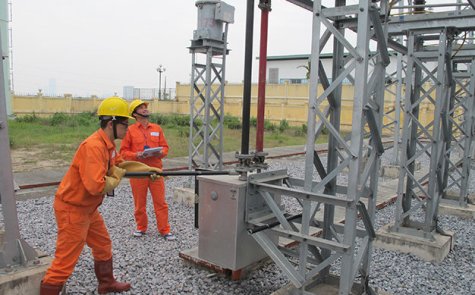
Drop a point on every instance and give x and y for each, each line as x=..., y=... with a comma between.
x=150, y=151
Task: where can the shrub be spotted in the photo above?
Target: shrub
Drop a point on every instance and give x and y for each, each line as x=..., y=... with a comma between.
x=253, y=122
x=180, y=120
x=269, y=126
x=232, y=122
x=160, y=119
x=28, y=118
x=304, y=128
x=283, y=125
x=60, y=119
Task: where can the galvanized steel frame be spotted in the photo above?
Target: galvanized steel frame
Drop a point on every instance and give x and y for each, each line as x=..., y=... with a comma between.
x=315, y=255
x=462, y=133
x=14, y=250
x=207, y=105
x=421, y=140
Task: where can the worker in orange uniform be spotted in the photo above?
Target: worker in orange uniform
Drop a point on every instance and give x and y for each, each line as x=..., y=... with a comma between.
x=141, y=136
x=95, y=171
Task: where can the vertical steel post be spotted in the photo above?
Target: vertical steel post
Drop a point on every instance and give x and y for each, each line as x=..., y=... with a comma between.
x=14, y=251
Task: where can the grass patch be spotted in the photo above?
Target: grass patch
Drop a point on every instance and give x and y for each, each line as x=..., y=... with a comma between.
x=59, y=135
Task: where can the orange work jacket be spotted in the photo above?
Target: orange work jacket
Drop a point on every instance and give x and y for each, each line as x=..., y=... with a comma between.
x=138, y=137
x=82, y=186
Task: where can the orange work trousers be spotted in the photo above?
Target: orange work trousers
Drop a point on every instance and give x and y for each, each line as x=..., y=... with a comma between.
x=140, y=187
x=74, y=230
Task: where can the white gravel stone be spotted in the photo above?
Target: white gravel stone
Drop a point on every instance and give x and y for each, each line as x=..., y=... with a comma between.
x=152, y=265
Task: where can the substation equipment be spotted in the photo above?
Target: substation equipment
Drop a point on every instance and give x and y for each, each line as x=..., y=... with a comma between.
x=207, y=84
x=238, y=213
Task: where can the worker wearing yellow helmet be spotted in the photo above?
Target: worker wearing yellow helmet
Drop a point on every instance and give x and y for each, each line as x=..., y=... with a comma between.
x=142, y=136
x=96, y=170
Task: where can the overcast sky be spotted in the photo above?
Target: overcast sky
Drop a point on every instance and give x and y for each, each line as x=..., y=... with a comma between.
x=96, y=47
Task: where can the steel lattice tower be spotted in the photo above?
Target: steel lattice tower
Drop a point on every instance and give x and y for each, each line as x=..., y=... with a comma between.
x=207, y=85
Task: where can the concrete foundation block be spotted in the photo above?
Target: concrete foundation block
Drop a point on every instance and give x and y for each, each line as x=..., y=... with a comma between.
x=464, y=212
x=329, y=287
x=434, y=251
x=184, y=196
x=392, y=171
x=24, y=280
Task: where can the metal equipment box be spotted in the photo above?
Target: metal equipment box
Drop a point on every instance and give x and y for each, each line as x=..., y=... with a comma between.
x=223, y=239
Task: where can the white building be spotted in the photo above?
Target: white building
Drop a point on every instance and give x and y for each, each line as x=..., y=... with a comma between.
x=293, y=68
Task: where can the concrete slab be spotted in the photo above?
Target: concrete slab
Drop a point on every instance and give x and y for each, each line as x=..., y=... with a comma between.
x=463, y=212
x=24, y=280
x=426, y=249
x=329, y=287
x=191, y=255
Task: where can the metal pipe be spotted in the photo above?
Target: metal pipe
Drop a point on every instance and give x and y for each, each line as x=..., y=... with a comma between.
x=271, y=225
x=178, y=173
x=246, y=105
x=265, y=7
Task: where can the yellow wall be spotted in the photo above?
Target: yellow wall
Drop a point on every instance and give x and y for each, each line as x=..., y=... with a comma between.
x=283, y=101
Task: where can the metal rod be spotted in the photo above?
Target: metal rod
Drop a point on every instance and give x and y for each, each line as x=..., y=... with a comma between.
x=264, y=5
x=246, y=105
x=178, y=173
x=271, y=225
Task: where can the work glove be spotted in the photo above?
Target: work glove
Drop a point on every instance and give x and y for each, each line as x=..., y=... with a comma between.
x=113, y=177
x=133, y=166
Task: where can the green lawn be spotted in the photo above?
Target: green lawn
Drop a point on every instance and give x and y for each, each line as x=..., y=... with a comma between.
x=60, y=135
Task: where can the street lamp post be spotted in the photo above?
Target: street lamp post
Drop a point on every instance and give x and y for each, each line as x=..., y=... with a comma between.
x=160, y=70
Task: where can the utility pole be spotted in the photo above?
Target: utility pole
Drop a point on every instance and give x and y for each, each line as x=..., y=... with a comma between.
x=160, y=70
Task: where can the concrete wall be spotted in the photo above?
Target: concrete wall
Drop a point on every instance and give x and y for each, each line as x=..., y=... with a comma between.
x=283, y=101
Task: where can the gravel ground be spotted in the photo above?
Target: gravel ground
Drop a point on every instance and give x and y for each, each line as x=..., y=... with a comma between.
x=152, y=265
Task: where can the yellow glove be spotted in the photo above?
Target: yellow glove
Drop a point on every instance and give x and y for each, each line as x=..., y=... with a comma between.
x=133, y=166
x=114, y=175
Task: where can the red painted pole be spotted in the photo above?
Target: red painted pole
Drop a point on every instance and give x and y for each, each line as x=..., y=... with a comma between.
x=264, y=5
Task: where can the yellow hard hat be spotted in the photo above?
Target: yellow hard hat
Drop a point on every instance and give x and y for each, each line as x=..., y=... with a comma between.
x=113, y=106
x=134, y=104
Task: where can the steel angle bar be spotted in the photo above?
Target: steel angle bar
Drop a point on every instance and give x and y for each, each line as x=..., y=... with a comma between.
x=275, y=209
x=380, y=36
x=463, y=20
x=362, y=250
x=311, y=240
x=306, y=4
x=332, y=175
x=339, y=228
x=334, y=132
x=280, y=260
x=298, y=182
x=303, y=195
x=319, y=165
x=373, y=126
x=368, y=167
x=320, y=125
x=341, y=38
x=325, y=83
x=325, y=263
x=337, y=81
x=340, y=11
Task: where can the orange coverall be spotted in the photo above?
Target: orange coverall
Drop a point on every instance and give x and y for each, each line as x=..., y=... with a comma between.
x=75, y=207
x=135, y=140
